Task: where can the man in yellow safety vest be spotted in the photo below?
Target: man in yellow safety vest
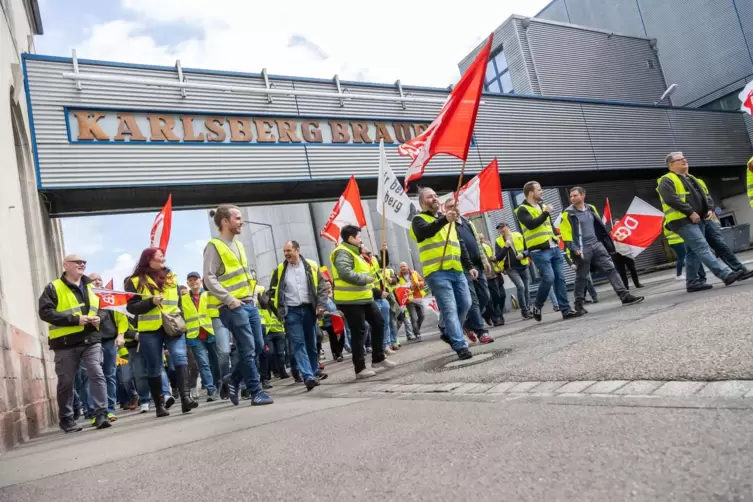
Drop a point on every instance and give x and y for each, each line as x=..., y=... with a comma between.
x=70, y=308
x=495, y=310
x=199, y=333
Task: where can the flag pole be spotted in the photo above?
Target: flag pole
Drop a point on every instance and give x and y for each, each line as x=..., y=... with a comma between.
x=384, y=240
x=457, y=193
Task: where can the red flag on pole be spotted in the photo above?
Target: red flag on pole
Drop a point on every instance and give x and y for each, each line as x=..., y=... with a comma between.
x=160, y=235
x=402, y=294
x=110, y=285
x=347, y=211
x=642, y=224
x=606, y=218
x=113, y=300
x=483, y=193
x=325, y=272
x=451, y=131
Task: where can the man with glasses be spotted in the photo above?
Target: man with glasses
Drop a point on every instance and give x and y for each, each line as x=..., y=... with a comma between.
x=688, y=210
x=71, y=309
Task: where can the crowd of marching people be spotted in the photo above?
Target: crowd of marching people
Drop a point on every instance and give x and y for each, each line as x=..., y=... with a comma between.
x=235, y=336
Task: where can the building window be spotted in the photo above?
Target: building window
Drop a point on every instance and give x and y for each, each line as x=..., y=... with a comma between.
x=498, y=75
x=728, y=103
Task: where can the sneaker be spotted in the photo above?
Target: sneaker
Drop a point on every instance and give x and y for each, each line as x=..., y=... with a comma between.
x=747, y=274
x=526, y=314
x=595, y=300
x=76, y=415
x=579, y=308
x=700, y=287
x=340, y=359
x=70, y=426
x=385, y=364
x=536, y=312
x=733, y=277
x=232, y=390
x=464, y=354
x=261, y=398
x=632, y=300
x=680, y=278
x=445, y=339
x=297, y=379
x=134, y=403
x=639, y=286
x=169, y=401
x=212, y=397
x=321, y=376
x=485, y=338
x=364, y=374
x=556, y=308
x=144, y=408
x=388, y=351
x=112, y=417
x=101, y=421
x=266, y=385
x=471, y=336
x=499, y=322
x=489, y=322
x=369, y=350
x=571, y=314
x=224, y=390
x=310, y=384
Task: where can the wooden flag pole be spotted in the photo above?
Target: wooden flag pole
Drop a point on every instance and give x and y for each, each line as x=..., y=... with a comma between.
x=384, y=242
x=457, y=193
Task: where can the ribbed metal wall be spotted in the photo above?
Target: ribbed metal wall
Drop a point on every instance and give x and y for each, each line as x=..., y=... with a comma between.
x=527, y=134
x=622, y=16
x=576, y=62
x=555, y=11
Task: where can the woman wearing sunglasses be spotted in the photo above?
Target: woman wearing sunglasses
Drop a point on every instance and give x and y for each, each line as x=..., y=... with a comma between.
x=158, y=298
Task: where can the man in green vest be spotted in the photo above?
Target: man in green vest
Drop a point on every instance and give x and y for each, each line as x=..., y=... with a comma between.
x=70, y=308
x=229, y=280
x=495, y=310
x=443, y=266
x=543, y=246
x=353, y=279
x=687, y=212
x=511, y=253
x=199, y=333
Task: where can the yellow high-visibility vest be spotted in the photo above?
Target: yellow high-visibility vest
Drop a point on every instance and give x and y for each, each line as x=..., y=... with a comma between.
x=539, y=235
x=518, y=243
x=196, y=318
x=152, y=320
x=498, y=266
x=671, y=214
x=749, y=181
x=345, y=292
x=69, y=304
x=236, y=278
x=430, y=250
x=673, y=238
x=416, y=291
x=271, y=322
x=566, y=228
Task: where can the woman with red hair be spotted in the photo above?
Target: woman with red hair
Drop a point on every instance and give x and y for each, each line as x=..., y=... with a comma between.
x=157, y=290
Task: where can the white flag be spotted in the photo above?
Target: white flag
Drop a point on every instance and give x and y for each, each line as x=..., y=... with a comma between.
x=391, y=196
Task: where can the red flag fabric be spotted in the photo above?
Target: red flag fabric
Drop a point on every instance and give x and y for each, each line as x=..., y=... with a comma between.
x=451, y=131
x=402, y=294
x=430, y=302
x=109, y=285
x=112, y=300
x=347, y=211
x=606, y=218
x=483, y=193
x=325, y=273
x=160, y=235
x=338, y=325
x=746, y=98
x=642, y=224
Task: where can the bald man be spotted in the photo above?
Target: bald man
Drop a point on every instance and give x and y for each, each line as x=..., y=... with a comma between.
x=71, y=310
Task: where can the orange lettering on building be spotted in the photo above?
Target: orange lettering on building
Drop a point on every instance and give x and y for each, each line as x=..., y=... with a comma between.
x=88, y=129
x=311, y=132
x=188, y=133
x=383, y=133
x=217, y=131
x=264, y=131
x=419, y=128
x=286, y=131
x=162, y=128
x=402, y=131
x=361, y=132
x=240, y=130
x=128, y=127
x=339, y=131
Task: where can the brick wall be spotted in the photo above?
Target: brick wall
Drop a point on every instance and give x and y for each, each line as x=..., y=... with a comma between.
x=27, y=386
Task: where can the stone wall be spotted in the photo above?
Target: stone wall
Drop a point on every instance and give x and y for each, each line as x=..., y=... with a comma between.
x=27, y=386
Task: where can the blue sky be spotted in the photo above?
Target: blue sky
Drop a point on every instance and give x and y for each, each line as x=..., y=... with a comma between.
x=417, y=42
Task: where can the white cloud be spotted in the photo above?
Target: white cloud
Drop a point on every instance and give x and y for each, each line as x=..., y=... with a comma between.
x=123, y=267
x=417, y=42
x=197, y=246
x=83, y=236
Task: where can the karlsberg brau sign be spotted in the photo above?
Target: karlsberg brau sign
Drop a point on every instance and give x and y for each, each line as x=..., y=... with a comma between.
x=93, y=126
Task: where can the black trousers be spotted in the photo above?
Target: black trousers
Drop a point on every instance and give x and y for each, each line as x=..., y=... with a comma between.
x=495, y=309
x=623, y=264
x=416, y=312
x=357, y=316
x=335, y=344
x=277, y=345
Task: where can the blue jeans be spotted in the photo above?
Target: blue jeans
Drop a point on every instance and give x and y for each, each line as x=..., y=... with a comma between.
x=110, y=370
x=245, y=325
x=453, y=297
x=698, y=251
x=679, y=250
x=138, y=366
x=550, y=264
x=479, y=291
x=202, y=362
x=81, y=390
x=522, y=280
x=222, y=340
x=390, y=326
x=152, y=343
x=300, y=326
x=553, y=298
x=723, y=252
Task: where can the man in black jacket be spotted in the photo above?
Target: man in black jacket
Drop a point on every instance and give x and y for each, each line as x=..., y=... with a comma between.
x=589, y=243
x=70, y=308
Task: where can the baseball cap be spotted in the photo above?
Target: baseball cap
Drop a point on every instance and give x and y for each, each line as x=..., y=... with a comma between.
x=503, y=224
x=194, y=275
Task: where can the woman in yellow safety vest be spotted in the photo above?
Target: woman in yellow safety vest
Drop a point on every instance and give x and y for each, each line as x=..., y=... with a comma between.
x=157, y=296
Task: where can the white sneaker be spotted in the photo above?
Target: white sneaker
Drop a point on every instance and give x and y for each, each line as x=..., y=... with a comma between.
x=144, y=408
x=386, y=364
x=364, y=374
x=388, y=351
x=680, y=278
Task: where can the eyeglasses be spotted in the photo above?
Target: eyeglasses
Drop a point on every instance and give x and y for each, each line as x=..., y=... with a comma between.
x=77, y=262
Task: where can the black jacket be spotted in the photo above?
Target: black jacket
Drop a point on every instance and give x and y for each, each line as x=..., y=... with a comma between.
x=425, y=230
x=510, y=259
x=317, y=295
x=529, y=222
x=696, y=201
x=600, y=230
x=48, y=302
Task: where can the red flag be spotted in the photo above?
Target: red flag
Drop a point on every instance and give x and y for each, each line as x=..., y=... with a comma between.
x=746, y=98
x=347, y=211
x=642, y=224
x=402, y=293
x=160, y=235
x=325, y=273
x=451, y=131
x=112, y=300
x=338, y=325
x=109, y=285
x=483, y=193
x=606, y=218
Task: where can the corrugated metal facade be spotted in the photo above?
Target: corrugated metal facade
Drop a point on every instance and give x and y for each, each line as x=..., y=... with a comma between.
x=718, y=52
x=527, y=134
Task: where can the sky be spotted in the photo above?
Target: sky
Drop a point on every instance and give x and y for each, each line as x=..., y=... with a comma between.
x=418, y=42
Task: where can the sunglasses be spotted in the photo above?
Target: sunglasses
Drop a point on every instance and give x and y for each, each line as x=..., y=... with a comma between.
x=77, y=262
